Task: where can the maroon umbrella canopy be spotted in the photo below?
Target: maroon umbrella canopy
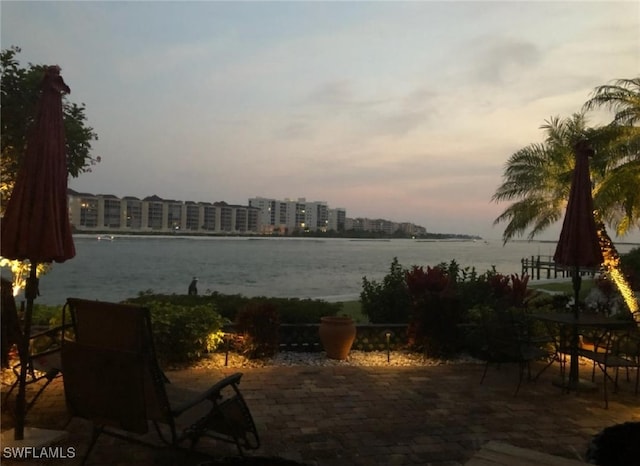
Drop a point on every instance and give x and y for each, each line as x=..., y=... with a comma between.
x=36, y=225
x=578, y=244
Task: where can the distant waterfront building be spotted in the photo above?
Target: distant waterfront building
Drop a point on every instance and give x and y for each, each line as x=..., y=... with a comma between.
x=132, y=212
x=337, y=219
x=317, y=216
x=192, y=216
x=289, y=215
x=87, y=211
x=268, y=215
x=106, y=212
x=412, y=229
x=383, y=226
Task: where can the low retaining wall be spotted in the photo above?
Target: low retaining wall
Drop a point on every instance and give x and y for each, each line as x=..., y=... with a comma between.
x=369, y=337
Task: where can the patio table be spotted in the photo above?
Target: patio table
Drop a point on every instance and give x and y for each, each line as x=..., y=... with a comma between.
x=568, y=320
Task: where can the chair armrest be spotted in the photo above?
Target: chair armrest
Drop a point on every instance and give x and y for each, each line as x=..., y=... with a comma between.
x=50, y=331
x=213, y=393
x=47, y=340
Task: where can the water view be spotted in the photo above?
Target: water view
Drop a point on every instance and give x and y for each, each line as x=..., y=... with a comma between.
x=330, y=269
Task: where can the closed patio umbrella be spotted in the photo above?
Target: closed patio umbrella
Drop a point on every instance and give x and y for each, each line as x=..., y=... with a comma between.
x=35, y=226
x=578, y=245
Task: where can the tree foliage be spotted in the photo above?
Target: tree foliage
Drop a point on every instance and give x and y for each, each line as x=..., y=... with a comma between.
x=617, y=197
x=386, y=301
x=622, y=97
x=537, y=178
x=20, y=90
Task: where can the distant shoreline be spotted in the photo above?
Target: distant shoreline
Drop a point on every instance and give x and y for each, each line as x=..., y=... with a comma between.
x=437, y=238
x=354, y=235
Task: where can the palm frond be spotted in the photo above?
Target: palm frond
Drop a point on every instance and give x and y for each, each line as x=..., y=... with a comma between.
x=622, y=97
x=538, y=212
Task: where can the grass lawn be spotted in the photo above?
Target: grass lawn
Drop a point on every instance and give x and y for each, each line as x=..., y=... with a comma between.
x=353, y=309
x=565, y=287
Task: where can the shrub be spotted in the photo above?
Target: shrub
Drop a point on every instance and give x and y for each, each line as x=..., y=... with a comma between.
x=291, y=310
x=473, y=289
x=184, y=333
x=435, y=311
x=227, y=304
x=442, y=304
x=257, y=324
x=630, y=264
x=386, y=302
x=540, y=300
x=50, y=316
x=520, y=292
x=508, y=299
x=608, y=294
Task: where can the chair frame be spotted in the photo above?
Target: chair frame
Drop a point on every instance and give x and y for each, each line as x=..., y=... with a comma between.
x=127, y=389
x=609, y=351
x=42, y=364
x=507, y=341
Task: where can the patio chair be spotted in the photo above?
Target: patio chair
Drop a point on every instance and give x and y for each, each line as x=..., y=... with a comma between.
x=507, y=340
x=613, y=351
x=9, y=321
x=561, y=341
x=112, y=378
x=43, y=360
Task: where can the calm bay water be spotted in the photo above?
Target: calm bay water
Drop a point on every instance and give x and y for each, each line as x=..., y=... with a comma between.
x=331, y=269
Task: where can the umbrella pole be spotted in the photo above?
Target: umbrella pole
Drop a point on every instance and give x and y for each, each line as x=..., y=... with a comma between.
x=573, y=370
x=31, y=291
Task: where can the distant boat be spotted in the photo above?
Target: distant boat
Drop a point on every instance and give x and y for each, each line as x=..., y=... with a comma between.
x=106, y=237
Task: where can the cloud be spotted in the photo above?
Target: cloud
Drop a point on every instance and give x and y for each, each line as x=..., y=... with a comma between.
x=295, y=131
x=342, y=93
x=502, y=60
x=394, y=110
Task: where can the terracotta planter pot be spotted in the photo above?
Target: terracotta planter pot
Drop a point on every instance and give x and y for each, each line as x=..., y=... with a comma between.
x=337, y=335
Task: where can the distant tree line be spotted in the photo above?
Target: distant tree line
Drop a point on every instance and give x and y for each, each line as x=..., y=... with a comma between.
x=381, y=235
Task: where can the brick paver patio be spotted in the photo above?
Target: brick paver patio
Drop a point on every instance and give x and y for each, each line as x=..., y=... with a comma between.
x=345, y=415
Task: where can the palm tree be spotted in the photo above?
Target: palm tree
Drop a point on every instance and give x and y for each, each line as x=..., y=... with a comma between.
x=622, y=97
x=538, y=178
x=617, y=197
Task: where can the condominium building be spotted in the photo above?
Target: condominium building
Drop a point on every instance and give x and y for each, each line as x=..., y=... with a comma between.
x=386, y=227
x=290, y=215
x=337, y=220
x=104, y=212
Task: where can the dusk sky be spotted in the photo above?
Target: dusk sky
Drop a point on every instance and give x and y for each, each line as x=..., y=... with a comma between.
x=403, y=111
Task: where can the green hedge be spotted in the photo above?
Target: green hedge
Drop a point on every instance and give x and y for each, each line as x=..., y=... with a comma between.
x=290, y=310
x=181, y=332
x=44, y=315
x=184, y=333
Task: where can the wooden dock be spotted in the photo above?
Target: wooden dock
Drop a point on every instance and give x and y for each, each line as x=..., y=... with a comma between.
x=543, y=267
